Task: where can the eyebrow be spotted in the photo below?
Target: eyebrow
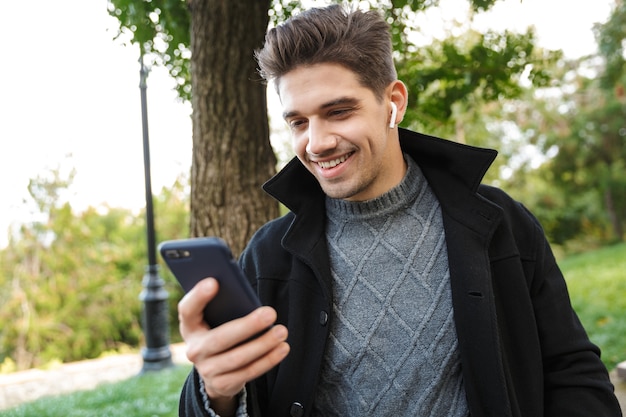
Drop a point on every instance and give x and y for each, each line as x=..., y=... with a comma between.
x=331, y=103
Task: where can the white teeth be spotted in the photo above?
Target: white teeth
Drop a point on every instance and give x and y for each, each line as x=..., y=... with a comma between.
x=333, y=163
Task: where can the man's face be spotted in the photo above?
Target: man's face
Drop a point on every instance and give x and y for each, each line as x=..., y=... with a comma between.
x=341, y=131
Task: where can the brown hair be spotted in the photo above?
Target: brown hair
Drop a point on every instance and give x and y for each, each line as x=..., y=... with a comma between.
x=357, y=40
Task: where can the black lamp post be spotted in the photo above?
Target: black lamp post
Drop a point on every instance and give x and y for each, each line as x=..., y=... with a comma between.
x=156, y=355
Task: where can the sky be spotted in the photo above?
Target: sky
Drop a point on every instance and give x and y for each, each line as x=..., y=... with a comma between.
x=70, y=98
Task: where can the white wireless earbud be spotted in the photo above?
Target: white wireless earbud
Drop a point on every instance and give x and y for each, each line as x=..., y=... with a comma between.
x=394, y=112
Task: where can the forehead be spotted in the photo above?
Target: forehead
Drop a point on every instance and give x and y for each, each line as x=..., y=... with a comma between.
x=311, y=86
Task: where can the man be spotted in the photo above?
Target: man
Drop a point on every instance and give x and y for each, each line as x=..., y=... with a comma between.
x=396, y=286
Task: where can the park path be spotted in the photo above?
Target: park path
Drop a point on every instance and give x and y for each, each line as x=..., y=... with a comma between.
x=25, y=386
x=20, y=387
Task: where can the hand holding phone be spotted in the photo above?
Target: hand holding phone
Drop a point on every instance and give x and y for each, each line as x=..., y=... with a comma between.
x=192, y=260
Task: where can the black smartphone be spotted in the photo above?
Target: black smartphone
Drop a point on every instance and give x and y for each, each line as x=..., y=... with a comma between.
x=192, y=260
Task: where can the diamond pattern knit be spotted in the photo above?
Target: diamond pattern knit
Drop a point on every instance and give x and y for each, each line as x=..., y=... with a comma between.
x=392, y=349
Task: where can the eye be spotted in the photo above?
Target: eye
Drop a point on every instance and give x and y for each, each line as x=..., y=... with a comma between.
x=296, y=124
x=340, y=113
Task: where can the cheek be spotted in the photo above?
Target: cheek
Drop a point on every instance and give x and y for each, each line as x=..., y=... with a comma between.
x=298, y=143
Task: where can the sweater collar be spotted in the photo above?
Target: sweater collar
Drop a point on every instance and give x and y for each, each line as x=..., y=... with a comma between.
x=398, y=198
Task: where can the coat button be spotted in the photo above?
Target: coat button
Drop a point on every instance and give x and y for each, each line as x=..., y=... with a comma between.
x=323, y=318
x=297, y=410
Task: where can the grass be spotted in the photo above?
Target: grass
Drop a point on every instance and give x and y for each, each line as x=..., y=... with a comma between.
x=597, y=285
x=153, y=394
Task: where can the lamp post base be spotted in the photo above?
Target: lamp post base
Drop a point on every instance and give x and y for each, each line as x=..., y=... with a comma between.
x=156, y=359
x=156, y=355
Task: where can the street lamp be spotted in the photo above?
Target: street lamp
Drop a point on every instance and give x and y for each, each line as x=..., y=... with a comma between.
x=156, y=355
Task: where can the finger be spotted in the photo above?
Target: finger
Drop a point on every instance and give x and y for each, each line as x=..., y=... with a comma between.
x=225, y=374
x=191, y=307
x=210, y=363
x=252, y=350
x=231, y=334
x=230, y=384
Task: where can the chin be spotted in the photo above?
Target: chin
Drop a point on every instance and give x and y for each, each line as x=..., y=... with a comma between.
x=339, y=193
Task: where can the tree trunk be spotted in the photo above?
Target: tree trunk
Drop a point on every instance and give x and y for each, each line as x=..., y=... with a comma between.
x=232, y=155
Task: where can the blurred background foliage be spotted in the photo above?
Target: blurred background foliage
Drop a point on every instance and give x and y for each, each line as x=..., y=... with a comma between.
x=70, y=282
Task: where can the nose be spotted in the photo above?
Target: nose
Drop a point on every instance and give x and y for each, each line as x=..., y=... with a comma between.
x=320, y=139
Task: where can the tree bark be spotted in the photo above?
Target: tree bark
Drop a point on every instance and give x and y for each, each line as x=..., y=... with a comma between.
x=232, y=155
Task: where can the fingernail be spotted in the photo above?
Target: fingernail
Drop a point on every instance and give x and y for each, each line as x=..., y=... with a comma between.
x=279, y=332
x=209, y=284
x=266, y=315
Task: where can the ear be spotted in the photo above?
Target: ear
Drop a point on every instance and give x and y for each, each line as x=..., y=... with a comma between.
x=398, y=95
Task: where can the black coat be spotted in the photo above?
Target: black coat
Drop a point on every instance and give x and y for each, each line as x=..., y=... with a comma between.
x=523, y=349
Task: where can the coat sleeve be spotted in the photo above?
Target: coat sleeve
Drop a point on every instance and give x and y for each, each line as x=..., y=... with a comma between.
x=192, y=403
x=195, y=403
x=576, y=382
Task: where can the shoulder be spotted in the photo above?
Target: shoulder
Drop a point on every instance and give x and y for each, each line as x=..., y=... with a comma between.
x=514, y=211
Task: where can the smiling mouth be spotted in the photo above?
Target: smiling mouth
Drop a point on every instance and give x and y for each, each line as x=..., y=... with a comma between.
x=334, y=162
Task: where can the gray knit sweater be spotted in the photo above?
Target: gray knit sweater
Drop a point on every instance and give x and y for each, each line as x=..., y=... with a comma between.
x=392, y=349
